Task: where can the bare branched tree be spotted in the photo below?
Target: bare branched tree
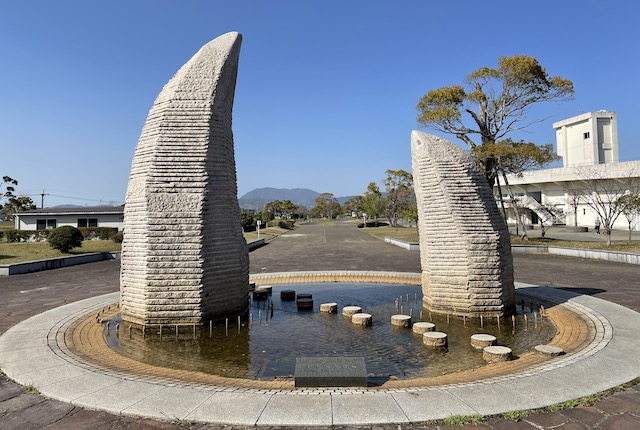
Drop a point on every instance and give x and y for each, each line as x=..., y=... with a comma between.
x=575, y=195
x=604, y=195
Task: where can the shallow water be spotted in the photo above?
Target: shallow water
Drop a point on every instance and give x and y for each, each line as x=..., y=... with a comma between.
x=265, y=346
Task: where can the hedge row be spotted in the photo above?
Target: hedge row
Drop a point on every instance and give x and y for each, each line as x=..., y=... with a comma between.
x=286, y=224
x=26, y=235
x=374, y=224
x=102, y=233
x=89, y=233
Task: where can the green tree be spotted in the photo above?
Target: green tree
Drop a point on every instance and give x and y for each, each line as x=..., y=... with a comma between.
x=399, y=188
x=274, y=207
x=494, y=103
x=354, y=205
x=630, y=208
x=248, y=221
x=373, y=202
x=17, y=204
x=9, y=187
x=64, y=238
x=326, y=205
x=288, y=209
x=281, y=209
x=411, y=214
x=514, y=158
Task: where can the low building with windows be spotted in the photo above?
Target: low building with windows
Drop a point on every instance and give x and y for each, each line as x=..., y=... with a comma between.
x=50, y=218
x=588, y=146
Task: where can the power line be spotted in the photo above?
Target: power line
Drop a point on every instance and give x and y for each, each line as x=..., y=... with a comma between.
x=69, y=197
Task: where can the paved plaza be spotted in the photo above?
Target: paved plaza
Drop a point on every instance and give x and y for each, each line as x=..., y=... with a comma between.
x=340, y=246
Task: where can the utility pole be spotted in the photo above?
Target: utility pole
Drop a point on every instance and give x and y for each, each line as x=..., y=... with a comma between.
x=42, y=199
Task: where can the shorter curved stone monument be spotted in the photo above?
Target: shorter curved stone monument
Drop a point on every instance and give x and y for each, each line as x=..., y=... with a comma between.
x=465, y=249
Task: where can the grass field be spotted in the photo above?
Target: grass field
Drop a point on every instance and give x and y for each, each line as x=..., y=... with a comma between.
x=411, y=235
x=602, y=246
x=267, y=233
x=28, y=251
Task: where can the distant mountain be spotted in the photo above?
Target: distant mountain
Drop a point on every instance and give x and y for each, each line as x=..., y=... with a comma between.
x=257, y=198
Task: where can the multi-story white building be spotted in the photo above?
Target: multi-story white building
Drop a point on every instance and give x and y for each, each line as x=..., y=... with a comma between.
x=588, y=145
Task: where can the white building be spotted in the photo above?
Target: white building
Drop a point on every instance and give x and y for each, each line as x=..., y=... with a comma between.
x=588, y=145
x=48, y=219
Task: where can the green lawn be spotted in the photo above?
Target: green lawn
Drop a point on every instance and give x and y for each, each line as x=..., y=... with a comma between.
x=411, y=235
x=266, y=233
x=27, y=251
x=602, y=246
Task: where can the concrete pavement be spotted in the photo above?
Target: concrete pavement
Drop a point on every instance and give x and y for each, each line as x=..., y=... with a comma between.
x=325, y=250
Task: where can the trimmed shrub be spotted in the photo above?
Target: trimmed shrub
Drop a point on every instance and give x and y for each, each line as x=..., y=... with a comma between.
x=64, y=238
x=118, y=237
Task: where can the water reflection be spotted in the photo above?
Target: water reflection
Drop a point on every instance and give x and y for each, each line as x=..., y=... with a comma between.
x=274, y=333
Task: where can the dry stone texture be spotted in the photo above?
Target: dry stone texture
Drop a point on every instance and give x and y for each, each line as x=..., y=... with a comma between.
x=465, y=249
x=184, y=259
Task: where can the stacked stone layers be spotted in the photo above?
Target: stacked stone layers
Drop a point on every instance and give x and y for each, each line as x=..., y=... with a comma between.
x=184, y=259
x=465, y=249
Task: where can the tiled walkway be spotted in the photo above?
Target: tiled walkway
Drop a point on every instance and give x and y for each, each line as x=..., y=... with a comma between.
x=336, y=249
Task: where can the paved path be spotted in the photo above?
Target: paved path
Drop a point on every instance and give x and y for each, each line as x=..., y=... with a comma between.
x=312, y=247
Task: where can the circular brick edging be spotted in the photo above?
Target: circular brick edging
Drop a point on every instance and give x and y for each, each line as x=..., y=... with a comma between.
x=36, y=352
x=529, y=364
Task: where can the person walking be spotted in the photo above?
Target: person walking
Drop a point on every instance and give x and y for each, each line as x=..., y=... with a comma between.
x=597, y=225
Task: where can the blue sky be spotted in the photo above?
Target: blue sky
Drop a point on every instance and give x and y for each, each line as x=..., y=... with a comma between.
x=326, y=90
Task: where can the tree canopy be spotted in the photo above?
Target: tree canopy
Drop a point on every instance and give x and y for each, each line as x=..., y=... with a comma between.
x=494, y=103
x=10, y=203
x=326, y=205
x=399, y=189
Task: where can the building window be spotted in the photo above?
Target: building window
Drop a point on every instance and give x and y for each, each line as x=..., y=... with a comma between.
x=87, y=222
x=586, y=135
x=46, y=224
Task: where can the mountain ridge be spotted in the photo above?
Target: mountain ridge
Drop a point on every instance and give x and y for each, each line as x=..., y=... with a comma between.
x=256, y=198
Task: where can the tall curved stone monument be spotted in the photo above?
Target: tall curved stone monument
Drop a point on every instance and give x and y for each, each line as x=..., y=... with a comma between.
x=465, y=249
x=184, y=259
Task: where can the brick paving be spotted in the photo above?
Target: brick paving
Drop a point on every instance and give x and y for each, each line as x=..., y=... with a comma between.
x=314, y=247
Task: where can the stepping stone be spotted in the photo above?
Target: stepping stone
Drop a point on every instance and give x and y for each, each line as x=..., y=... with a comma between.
x=266, y=288
x=304, y=304
x=348, y=311
x=260, y=295
x=549, y=350
x=287, y=295
x=496, y=354
x=329, y=308
x=435, y=339
x=362, y=319
x=423, y=327
x=401, y=320
x=480, y=341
